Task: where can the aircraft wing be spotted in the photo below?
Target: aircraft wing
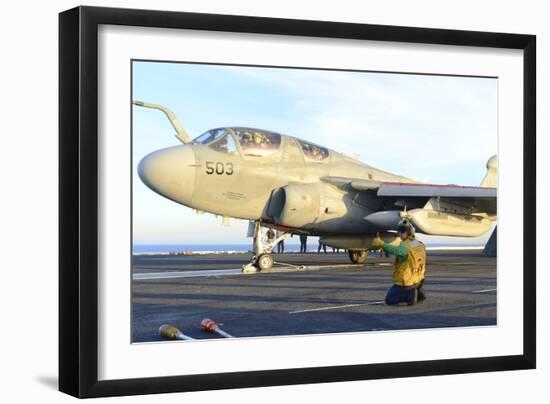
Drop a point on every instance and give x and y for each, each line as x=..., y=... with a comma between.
x=431, y=190
x=358, y=184
x=481, y=199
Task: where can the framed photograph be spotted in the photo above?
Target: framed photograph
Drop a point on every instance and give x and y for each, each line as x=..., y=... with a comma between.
x=250, y=201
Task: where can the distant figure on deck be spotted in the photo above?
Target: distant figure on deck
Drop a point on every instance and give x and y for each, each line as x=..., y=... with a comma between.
x=303, y=243
x=323, y=246
x=280, y=244
x=409, y=266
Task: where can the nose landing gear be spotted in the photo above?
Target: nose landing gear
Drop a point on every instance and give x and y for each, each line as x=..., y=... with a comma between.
x=262, y=259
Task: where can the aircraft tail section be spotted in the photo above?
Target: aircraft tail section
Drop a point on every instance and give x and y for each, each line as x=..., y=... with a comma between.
x=490, y=249
x=490, y=179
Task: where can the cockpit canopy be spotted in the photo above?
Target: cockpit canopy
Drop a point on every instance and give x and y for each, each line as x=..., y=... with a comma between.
x=313, y=152
x=256, y=142
x=253, y=142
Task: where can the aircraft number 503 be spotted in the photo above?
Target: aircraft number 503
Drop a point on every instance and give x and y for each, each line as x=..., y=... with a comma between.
x=219, y=168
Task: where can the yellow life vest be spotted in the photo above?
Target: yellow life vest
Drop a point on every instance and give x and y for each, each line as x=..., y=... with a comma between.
x=410, y=271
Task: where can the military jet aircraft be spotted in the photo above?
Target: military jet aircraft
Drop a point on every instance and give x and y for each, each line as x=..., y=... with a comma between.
x=299, y=187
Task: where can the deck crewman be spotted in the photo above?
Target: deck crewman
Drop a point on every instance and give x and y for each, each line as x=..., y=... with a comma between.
x=270, y=236
x=409, y=266
x=280, y=244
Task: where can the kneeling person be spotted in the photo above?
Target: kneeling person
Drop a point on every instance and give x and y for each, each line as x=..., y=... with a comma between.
x=409, y=266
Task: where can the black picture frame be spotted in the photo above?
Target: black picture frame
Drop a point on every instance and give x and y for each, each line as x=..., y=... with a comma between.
x=78, y=200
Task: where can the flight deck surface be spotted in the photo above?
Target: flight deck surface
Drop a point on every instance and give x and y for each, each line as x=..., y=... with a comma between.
x=307, y=294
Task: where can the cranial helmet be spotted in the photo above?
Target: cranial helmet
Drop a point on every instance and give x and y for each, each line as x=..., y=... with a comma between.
x=405, y=225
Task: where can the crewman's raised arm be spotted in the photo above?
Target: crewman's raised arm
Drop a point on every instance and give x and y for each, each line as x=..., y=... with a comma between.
x=400, y=250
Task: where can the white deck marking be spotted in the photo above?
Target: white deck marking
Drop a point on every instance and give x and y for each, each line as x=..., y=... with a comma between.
x=455, y=248
x=185, y=274
x=336, y=307
x=484, y=291
x=303, y=268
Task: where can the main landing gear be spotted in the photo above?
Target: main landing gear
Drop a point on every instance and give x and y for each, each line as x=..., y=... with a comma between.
x=358, y=256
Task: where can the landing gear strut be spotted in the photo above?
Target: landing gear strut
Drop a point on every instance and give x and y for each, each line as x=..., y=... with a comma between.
x=262, y=258
x=358, y=257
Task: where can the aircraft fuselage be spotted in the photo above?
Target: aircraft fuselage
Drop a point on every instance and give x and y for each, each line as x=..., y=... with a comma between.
x=232, y=176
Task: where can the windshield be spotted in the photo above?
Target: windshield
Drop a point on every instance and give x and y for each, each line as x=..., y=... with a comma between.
x=258, y=143
x=224, y=144
x=210, y=136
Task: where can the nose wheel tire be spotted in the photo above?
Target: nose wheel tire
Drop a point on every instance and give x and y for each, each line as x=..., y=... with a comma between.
x=358, y=257
x=264, y=261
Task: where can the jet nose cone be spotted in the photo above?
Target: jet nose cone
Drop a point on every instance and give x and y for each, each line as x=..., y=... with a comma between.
x=170, y=172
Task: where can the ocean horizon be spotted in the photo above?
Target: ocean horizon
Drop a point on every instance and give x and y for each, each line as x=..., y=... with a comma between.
x=243, y=248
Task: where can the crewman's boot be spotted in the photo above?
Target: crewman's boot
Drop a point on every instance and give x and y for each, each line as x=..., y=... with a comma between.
x=421, y=295
x=413, y=297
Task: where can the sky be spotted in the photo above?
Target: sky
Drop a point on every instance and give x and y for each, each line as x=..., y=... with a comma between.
x=436, y=129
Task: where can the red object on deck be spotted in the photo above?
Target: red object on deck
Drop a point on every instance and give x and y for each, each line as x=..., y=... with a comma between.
x=209, y=325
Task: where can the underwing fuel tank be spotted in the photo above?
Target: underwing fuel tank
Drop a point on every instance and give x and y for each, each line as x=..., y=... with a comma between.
x=433, y=222
x=437, y=223
x=353, y=242
x=384, y=220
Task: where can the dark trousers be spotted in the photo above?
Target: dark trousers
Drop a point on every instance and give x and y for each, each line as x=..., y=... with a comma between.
x=405, y=294
x=281, y=247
